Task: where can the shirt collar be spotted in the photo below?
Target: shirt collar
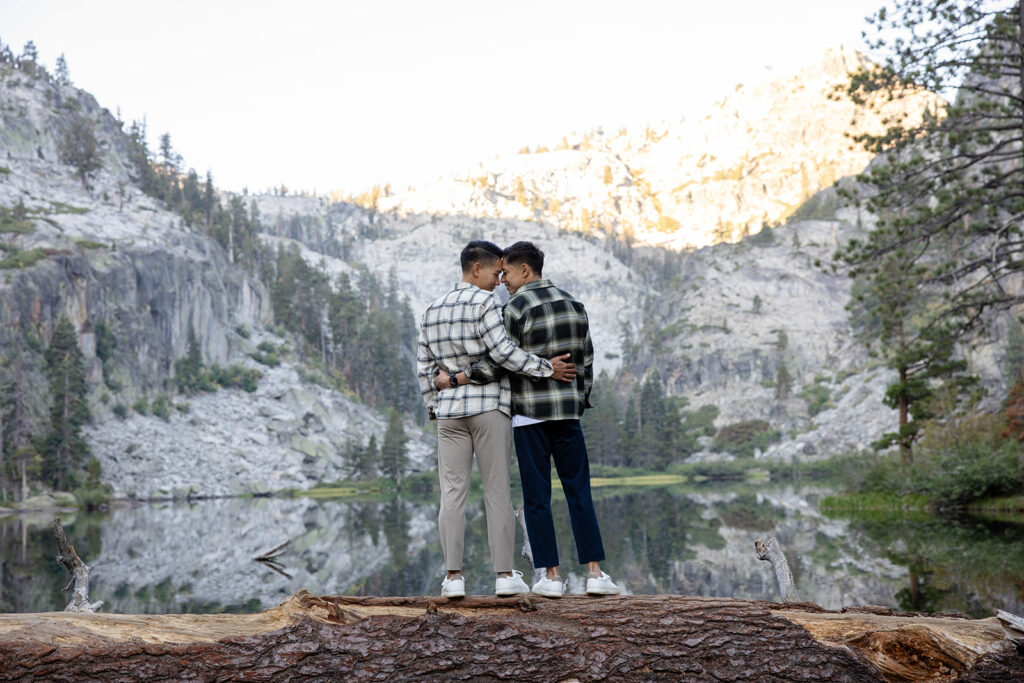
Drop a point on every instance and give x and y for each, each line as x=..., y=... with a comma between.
x=536, y=284
x=463, y=285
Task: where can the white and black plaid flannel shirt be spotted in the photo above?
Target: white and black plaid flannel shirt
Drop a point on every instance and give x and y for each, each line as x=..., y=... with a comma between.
x=460, y=328
x=544, y=319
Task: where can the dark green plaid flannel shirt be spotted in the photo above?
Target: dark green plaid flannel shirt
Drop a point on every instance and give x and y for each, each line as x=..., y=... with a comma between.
x=547, y=321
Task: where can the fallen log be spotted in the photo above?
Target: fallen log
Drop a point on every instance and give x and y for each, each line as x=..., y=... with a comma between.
x=525, y=639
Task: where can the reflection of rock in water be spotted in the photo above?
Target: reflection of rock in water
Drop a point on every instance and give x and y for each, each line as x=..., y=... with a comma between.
x=829, y=564
x=199, y=557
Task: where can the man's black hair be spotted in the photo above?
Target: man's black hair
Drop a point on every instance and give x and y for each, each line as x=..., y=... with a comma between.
x=479, y=251
x=528, y=253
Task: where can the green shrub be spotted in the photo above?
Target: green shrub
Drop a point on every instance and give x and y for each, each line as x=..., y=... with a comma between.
x=92, y=494
x=22, y=258
x=61, y=207
x=121, y=410
x=742, y=438
x=700, y=421
x=267, y=354
x=209, y=379
x=957, y=461
x=141, y=406
x=243, y=331
x=90, y=244
x=268, y=359
x=817, y=395
x=969, y=471
x=235, y=376
x=162, y=408
x=15, y=227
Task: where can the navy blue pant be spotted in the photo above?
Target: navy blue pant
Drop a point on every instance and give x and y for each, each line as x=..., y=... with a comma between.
x=536, y=444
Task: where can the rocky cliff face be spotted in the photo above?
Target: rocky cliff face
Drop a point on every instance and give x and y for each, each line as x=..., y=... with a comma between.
x=421, y=252
x=112, y=259
x=753, y=159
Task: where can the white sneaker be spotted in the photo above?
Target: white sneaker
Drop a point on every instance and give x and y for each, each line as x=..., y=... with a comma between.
x=453, y=588
x=549, y=588
x=601, y=585
x=510, y=585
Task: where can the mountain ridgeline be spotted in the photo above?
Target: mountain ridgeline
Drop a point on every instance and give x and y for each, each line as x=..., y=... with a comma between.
x=251, y=343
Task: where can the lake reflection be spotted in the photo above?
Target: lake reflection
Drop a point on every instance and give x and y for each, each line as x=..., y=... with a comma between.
x=697, y=540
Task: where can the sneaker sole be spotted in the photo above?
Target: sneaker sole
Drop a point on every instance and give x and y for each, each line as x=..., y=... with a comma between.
x=547, y=595
x=453, y=595
x=601, y=592
x=508, y=594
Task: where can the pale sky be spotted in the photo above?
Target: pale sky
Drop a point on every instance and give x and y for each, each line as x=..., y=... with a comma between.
x=341, y=95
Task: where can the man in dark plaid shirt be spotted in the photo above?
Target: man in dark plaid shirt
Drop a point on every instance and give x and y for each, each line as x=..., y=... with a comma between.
x=458, y=329
x=546, y=320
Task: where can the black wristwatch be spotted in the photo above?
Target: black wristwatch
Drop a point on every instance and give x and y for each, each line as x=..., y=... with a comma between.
x=453, y=378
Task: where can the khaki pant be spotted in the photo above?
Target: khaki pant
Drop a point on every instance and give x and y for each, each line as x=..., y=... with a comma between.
x=490, y=436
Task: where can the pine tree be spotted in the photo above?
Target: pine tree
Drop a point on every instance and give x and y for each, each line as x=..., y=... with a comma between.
x=603, y=423
x=188, y=370
x=393, y=456
x=947, y=188
x=909, y=332
x=78, y=147
x=29, y=59
x=630, y=431
x=14, y=428
x=61, y=71
x=655, y=442
x=209, y=198
x=65, y=367
x=783, y=382
x=369, y=460
x=170, y=159
x=629, y=348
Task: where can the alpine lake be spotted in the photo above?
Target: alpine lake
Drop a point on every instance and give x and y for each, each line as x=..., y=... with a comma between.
x=659, y=536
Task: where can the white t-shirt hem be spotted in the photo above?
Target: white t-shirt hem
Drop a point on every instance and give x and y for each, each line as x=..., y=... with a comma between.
x=524, y=421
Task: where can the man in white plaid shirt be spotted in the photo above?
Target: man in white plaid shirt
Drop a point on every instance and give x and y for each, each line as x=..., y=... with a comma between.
x=464, y=326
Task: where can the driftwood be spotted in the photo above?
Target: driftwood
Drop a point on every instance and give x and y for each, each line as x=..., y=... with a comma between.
x=527, y=551
x=771, y=551
x=79, y=572
x=523, y=639
x=269, y=558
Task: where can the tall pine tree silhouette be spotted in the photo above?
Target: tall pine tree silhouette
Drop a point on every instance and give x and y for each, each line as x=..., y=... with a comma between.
x=65, y=367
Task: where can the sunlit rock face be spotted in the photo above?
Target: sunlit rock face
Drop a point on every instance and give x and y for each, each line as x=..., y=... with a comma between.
x=752, y=159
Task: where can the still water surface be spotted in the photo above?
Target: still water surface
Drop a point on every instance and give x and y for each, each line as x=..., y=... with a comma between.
x=694, y=540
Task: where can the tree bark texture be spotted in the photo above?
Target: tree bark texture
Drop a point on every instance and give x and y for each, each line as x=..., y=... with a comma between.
x=621, y=638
